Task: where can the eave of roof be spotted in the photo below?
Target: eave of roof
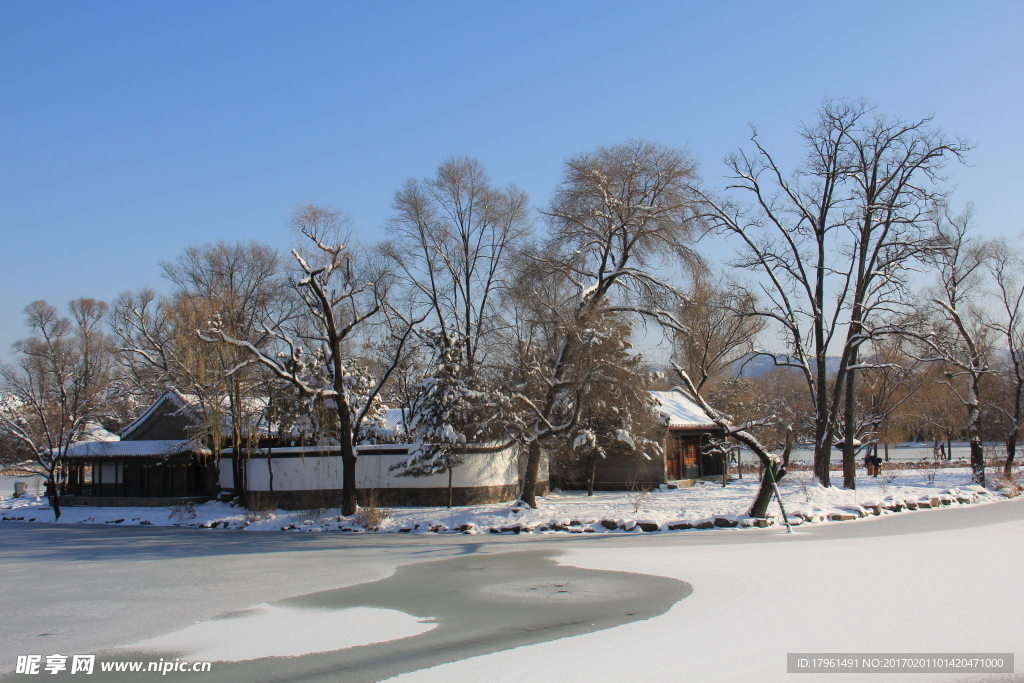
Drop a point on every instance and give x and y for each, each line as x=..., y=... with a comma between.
x=113, y=450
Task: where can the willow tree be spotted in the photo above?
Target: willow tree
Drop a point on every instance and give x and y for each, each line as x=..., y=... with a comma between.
x=619, y=214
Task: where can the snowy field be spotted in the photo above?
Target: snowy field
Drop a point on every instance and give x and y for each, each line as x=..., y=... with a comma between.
x=706, y=505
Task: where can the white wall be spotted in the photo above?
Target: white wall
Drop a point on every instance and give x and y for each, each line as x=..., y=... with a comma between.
x=318, y=472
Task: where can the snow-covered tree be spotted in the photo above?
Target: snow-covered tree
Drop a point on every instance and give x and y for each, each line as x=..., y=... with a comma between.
x=615, y=411
x=774, y=464
x=619, y=213
x=341, y=294
x=58, y=385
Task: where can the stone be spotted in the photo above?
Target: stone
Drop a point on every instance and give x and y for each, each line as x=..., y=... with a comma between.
x=726, y=523
x=609, y=524
x=842, y=516
x=680, y=526
x=705, y=525
x=649, y=526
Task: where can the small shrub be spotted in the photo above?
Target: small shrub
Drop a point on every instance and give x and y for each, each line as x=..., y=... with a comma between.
x=638, y=493
x=311, y=515
x=803, y=479
x=370, y=516
x=183, y=511
x=1010, y=485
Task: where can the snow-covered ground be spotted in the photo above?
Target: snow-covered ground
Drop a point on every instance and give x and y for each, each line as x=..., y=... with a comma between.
x=705, y=505
x=932, y=582
x=950, y=591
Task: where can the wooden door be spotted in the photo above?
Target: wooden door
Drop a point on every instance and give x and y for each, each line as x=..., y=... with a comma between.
x=672, y=465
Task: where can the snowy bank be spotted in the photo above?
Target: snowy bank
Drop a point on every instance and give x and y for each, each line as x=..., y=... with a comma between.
x=704, y=506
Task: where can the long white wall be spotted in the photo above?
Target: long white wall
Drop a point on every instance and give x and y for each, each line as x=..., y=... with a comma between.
x=318, y=472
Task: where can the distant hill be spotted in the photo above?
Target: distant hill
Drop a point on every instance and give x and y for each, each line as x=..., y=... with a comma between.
x=754, y=365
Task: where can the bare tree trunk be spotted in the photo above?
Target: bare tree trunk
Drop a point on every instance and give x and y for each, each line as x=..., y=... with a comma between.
x=449, y=488
x=822, y=438
x=270, y=470
x=1011, y=451
x=349, y=502
x=849, y=453
x=55, y=498
x=529, y=496
x=592, y=474
x=977, y=461
x=759, y=508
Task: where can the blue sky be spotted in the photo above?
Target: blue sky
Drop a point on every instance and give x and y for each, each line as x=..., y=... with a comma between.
x=129, y=130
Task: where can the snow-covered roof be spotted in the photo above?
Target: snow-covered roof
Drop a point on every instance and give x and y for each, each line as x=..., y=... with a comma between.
x=128, y=449
x=94, y=431
x=681, y=411
x=173, y=395
x=191, y=405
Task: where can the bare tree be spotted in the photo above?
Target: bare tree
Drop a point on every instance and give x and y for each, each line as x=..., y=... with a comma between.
x=1007, y=268
x=341, y=293
x=618, y=212
x=832, y=243
x=452, y=241
x=892, y=377
x=961, y=334
x=58, y=384
x=716, y=328
x=238, y=286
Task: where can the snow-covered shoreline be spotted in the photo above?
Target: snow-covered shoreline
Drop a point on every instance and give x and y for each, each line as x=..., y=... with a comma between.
x=704, y=506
